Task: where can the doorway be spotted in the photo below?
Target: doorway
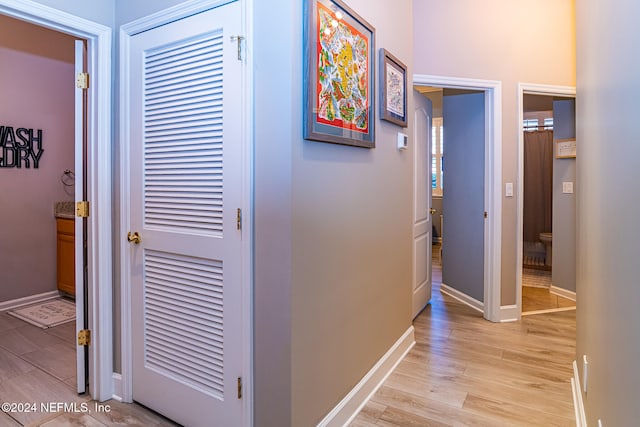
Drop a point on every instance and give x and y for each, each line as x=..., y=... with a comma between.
x=98, y=179
x=488, y=301
x=546, y=200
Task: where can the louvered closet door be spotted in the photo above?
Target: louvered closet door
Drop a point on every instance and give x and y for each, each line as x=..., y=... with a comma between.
x=186, y=186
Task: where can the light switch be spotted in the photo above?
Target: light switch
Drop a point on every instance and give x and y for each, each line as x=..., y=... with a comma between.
x=403, y=141
x=567, y=187
x=508, y=189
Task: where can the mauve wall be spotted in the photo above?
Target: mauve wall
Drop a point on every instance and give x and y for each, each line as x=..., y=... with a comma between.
x=37, y=89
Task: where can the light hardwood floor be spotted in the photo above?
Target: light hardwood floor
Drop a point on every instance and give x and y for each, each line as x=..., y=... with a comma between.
x=466, y=371
x=39, y=366
x=536, y=295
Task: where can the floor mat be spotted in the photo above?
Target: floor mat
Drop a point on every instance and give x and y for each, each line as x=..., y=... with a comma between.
x=47, y=314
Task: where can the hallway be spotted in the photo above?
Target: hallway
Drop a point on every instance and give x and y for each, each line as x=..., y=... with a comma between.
x=465, y=370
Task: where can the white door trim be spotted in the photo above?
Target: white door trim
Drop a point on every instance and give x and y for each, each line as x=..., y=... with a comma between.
x=126, y=32
x=98, y=179
x=528, y=89
x=492, y=177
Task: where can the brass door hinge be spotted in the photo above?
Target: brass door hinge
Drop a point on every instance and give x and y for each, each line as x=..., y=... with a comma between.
x=82, y=209
x=239, y=219
x=82, y=80
x=239, y=387
x=238, y=39
x=84, y=337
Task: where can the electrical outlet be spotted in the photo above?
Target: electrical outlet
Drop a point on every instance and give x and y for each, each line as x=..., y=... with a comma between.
x=585, y=366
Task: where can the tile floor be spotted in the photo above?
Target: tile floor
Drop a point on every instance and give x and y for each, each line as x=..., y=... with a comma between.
x=38, y=367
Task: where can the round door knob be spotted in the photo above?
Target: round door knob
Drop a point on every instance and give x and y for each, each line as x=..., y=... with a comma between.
x=432, y=211
x=134, y=237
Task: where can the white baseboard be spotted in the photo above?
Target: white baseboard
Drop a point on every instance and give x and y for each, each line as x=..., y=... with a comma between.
x=563, y=292
x=509, y=313
x=578, y=405
x=32, y=299
x=355, y=400
x=463, y=298
x=117, y=387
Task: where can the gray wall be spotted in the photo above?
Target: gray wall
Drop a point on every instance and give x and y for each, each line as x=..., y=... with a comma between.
x=608, y=208
x=463, y=201
x=102, y=11
x=277, y=129
x=564, y=205
x=351, y=234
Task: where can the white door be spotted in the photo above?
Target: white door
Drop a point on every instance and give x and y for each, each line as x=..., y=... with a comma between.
x=186, y=186
x=422, y=219
x=82, y=356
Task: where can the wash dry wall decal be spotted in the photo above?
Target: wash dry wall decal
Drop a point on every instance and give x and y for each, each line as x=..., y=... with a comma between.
x=20, y=148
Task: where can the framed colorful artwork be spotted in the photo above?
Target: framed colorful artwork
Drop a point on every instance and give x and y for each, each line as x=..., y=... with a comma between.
x=393, y=89
x=339, y=97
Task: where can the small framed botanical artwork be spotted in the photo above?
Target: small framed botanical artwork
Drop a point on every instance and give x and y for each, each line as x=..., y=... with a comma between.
x=339, y=100
x=393, y=87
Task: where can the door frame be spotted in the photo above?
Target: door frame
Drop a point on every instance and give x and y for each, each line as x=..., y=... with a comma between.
x=492, y=89
x=99, y=175
x=125, y=389
x=528, y=89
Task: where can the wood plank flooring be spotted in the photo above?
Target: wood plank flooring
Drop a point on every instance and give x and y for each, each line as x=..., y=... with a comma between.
x=536, y=295
x=466, y=371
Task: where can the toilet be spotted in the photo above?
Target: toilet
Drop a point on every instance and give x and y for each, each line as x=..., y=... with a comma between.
x=546, y=239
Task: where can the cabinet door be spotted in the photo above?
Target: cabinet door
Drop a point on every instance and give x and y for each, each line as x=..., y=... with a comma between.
x=66, y=257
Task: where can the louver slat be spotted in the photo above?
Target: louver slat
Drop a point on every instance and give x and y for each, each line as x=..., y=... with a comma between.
x=184, y=320
x=183, y=125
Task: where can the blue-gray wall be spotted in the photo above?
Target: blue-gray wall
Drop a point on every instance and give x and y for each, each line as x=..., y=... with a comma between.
x=463, y=201
x=564, y=205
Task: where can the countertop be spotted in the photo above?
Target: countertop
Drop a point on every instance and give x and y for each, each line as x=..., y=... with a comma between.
x=64, y=210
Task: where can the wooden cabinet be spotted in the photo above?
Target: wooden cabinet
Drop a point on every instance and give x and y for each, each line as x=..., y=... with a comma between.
x=66, y=255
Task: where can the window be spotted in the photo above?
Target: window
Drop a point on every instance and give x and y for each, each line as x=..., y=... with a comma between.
x=530, y=124
x=537, y=120
x=437, y=156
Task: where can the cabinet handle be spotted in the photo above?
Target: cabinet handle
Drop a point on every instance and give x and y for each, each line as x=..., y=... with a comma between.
x=134, y=237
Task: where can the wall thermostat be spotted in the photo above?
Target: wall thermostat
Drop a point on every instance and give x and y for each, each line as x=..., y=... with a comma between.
x=403, y=141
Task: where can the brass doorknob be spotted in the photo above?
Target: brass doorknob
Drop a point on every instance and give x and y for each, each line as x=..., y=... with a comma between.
x=134, y=237
x=432, y=211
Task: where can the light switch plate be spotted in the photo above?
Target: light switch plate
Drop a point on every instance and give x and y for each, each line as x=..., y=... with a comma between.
x=567, y=187
x=508, y=189
x=403, y=141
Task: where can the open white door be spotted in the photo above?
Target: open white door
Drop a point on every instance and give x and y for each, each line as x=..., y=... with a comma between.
x=186, y=174
x=80, y=223
x=422, y=218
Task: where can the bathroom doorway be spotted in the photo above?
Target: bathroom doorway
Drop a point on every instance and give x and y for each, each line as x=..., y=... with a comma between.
x=546, y=281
